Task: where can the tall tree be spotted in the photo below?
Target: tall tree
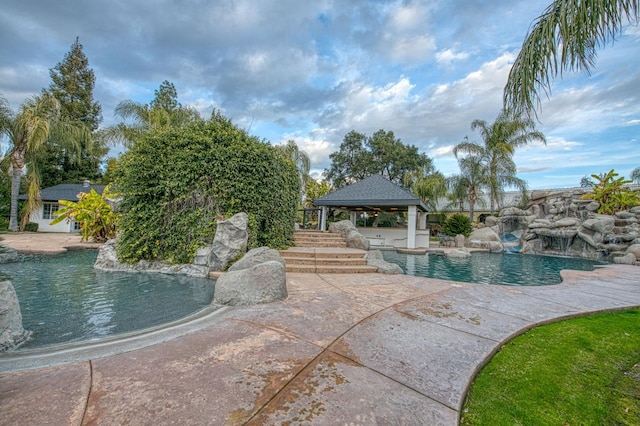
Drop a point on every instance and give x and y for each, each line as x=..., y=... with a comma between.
x=635, y=175
x=163, y=111
x=499, y=143
x=428, y=184
x=166, y=97
x=72, y=84
x=382, y=153
x=5, y=165
x=29, y=132
x=565, y=37
x=472, y=180
x=300, y=158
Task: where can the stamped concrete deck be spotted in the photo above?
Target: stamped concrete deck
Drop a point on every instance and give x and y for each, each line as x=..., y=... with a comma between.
x=342, y=349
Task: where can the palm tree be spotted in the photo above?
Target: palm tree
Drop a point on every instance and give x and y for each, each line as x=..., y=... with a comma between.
x=29, y=131
x=428, y=184
x=500, y=141
x=472, y=180
x=565, y=37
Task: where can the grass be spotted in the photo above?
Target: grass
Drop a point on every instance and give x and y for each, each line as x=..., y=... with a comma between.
x=584, y=371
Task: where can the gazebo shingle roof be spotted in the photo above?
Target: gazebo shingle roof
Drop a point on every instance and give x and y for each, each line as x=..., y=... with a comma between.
x=373, y=191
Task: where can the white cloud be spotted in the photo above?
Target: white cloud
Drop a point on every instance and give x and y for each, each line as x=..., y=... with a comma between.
x=441, y=151
x=446, y=57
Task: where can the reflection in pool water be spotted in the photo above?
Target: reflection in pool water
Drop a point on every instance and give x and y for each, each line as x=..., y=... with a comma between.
x=63, y=299
x=489, y=268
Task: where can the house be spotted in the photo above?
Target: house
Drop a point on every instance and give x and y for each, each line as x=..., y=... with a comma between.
x=372, y=195
x=50, y=204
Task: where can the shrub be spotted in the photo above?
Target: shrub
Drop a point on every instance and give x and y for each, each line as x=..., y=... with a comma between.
x=31, y=227
x=176, y=183
x=457, y=224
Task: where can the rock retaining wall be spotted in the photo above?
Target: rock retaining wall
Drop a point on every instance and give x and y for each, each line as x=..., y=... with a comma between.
x=563, y=224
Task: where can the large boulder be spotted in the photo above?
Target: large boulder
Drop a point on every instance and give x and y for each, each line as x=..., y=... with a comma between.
x=375, y=258
x=486, y=238
x=262, y=283
x=484, y=235
x=8, y=254
x=627, y=259
x=230, y=241
x=458, y=254
x=255, y=257
x=495, y=247
x=602, y=224
x=635, y=250
x=491, y=221
x=350, y=233
x=11, y=332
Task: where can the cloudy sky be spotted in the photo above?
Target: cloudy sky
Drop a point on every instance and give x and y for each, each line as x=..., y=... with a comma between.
x=313, y=70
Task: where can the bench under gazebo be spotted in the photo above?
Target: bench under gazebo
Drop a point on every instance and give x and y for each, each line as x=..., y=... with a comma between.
x=376, y=194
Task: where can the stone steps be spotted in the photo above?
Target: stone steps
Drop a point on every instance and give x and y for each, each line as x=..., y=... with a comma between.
x=318, y=239
x=324, y=253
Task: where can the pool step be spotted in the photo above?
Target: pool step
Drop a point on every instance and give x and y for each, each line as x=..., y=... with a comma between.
x=322, y=260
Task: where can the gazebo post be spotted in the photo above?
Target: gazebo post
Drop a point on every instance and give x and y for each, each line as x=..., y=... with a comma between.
x=411, y=227
x=353, y=217
x=323, y=219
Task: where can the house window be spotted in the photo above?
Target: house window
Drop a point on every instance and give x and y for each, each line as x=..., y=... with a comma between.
x=77, y=226
x=49, y=210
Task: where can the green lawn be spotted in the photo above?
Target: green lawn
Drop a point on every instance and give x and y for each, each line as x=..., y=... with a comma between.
x=584, y=371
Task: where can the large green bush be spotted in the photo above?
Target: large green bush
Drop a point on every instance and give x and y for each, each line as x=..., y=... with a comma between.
x=176, y=183
x=457, y=224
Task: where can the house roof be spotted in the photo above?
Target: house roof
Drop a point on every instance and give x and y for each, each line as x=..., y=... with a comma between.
x=66, y=191
x=373, y=191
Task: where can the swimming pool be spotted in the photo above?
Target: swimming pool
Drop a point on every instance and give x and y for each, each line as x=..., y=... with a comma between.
x=63, y=299
x=489, y=268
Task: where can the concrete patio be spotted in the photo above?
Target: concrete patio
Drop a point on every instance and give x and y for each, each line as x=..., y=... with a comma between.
x=342, y=349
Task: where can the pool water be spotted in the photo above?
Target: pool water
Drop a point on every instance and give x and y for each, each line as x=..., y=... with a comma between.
x=489, y=268
x=63, y=299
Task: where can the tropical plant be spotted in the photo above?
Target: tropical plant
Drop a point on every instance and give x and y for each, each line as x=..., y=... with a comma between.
x=37, y=124
x=565, y=37
x=382, y=153
x=500, y=141
x=610, y=192
x=457, y=224
x=93, y=213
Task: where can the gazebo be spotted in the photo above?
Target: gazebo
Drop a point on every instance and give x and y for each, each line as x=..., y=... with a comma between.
x=374, y=194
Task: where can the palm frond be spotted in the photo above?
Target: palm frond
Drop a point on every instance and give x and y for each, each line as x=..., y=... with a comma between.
x=564, y=38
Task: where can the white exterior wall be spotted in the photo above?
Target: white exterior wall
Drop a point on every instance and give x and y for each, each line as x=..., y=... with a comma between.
x=44, y=224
